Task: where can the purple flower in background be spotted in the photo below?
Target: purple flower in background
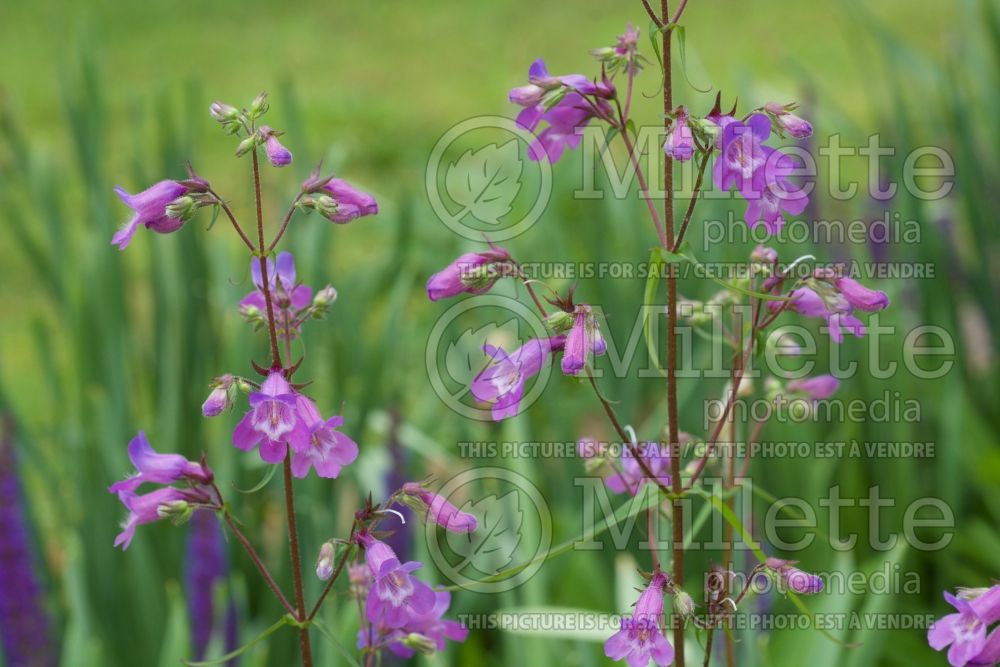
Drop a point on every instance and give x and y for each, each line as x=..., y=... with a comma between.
x=817, y=388
x=149, y=208
x=861, y=297
x=793, y=578
x=326, y=449
x=631, y=477
x=277, y=155
x=288, y=297
x=438, y=510
x=583, y=341
x=471, y=273
x=680, y=142
x=396, y=597
x=156, y=468
x=836, y=311
x=965, y=631
x=271, y=421
x=205, y=569
x=25, y=637
x=351, y=202
x=502, y=383
x=741, y=153
x=771, y=193
x=640, y=640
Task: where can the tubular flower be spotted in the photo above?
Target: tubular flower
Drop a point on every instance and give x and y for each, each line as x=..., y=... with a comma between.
x=425, y=633
x=789, y=122
x=680, y=142
x=326, y=449
x=793, y=578
x=640, y=640
x=351, y=203
x=149, y=208
x=438, y=510
x=471, y=273
x=771, y=193
x=631, y=476
x=583, y=341
x=965, y=631
x=502, y=383
x=277, y=154
x=272, y=421
x=156, y=468
x=395, y=597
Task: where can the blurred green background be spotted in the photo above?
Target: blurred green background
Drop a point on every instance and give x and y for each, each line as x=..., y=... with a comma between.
x=96, y=344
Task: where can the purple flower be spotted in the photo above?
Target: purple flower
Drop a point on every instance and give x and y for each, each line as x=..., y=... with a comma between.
x=351, y=202
x=288, y=297
x=205, y=568
x=156, y=468
x=25, y=637
x=533, y=96
x=326, y=449
x=990, y=655
x=631, y=477
x=427, y=631
x=965, y=631
x=834, y=309
x=272, y=421
x=439, y=511
x=680, y=142
x=502, y=383
x=741, y=153
x=149, y=208
x=165, y=502
x=860, y=296
x=220, y=398
x=471, y=273
x=395, y=597
x=793, y=578
x=640, y=640
x=771, y=193
x=583, y=341
x=789, y=122
x=571, y=114
x=817, y=388
x=277, y=155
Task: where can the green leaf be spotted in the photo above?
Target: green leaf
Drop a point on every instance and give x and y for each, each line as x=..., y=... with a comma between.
x=682, y=50
x=485, y=182
x=261, y=484
x=280, y=623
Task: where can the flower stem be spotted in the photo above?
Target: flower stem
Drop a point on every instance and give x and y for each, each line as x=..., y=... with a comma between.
x=284, y=223
x=262, y=258
x=694, y=199
x=677, y=515
x=255, y=557
x=232, y=218
x=293, y=546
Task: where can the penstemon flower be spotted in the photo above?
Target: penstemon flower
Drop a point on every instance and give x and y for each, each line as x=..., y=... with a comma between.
x=424, y=633
x=438, y=510
x=583, y=341
x=771, y=193
x=502, y=384
x=156, y=468
x=629, y=476
x=471, y=273
x=787, y=121
x=277, y=155
x=326, y=449
x=964, y=633
x=640, y=640
x=395, y=597
x=680, y=142
x=221, y=396
x=291, y=299
x=793, y=578
x=149, y=208
x=272, y=422
x=346, y=203
x=741, y=153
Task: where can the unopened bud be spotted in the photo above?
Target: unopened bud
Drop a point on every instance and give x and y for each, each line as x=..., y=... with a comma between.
x=420, y=643
x=325, y=205
x=178, y=511
x=222, y=112
x=182, y=208
x=683, y=604
x=325, y=297
x=247, y=145
x=560, y=322
x=259, y=106
x=324, y=564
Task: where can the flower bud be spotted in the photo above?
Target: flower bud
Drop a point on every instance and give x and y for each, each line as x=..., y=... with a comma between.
x=324, y=563
x=178, y=511
x=325, y=296
x=559, y=322
x=860, y=296
x=246, y=146
x=420, y=643
x=793, y=578
x=787, y=121
x=223, y=112
x=277, y=154
x=683, y=604
x=182, y=208
x=259, y=106
x=438, y=509
x=221, y=397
